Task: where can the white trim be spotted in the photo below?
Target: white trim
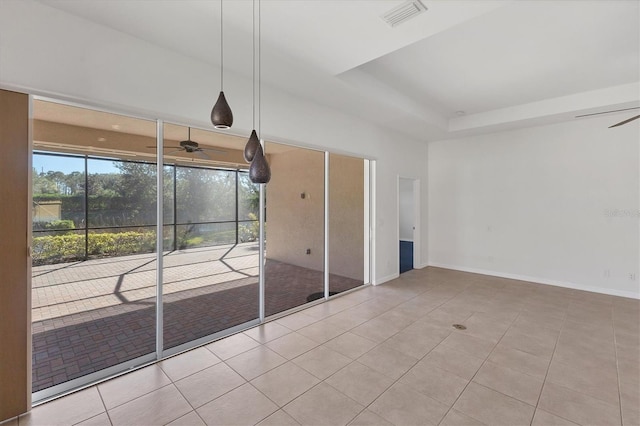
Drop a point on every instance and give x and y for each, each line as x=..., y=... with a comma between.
x=417, y=227
x=538, y=280
x=383, y=280
x=421, y=265
x=367, y=223
x=397, y=248
x=261, y=252
x=159, y=238
x=30, y=260
x=326, y=225
x=372, y=224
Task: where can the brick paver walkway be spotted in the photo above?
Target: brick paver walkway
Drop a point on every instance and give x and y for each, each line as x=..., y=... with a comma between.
x=91, y=315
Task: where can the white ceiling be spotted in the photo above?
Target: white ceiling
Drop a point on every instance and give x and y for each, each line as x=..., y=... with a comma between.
x=504, y=63
x=523, y=52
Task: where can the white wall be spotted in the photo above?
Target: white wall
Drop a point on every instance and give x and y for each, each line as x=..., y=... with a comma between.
x=406, y=209
x=557, y=204
x=46, y=51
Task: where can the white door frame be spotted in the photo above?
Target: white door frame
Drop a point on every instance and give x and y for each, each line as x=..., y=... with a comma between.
x=417, y=240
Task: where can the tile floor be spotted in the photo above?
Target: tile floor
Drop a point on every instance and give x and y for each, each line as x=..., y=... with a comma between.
x=531, y=355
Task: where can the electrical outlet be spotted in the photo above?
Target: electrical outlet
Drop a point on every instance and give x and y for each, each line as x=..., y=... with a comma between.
x=308, y=251
x=632, y=276
x=607, y=273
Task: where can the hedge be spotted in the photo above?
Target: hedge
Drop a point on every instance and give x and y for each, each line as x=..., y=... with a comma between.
x=69, y=247
x=54, y=225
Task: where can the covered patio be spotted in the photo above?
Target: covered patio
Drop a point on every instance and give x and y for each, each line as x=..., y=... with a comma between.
x=97, y=313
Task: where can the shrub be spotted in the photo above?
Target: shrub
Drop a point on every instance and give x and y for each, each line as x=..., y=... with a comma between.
x=60, y=224
x=249, y=232
x=69, y=247
x=193, y=241
x=121, y=243
x=55, y=225
x=57, y=248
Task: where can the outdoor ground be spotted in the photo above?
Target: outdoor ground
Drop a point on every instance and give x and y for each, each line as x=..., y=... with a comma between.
x=94, y=314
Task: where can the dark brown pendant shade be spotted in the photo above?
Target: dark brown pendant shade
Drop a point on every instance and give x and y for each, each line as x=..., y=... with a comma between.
x=251, y=147
x=259, y=171
x=221, y=115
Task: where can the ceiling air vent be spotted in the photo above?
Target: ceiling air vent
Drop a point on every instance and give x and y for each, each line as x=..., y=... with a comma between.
x=403, y=12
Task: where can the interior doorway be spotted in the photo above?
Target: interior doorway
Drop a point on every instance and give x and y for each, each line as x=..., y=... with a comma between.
x=408, y=223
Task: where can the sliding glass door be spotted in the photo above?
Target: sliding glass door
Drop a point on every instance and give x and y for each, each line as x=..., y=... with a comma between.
x=295, y=215
x=346, y=223
x=210, y=264
x=94, y=231
x=124, y=274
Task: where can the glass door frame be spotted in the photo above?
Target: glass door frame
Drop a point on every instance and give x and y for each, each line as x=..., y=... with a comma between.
x=55, y=391
x=369, y=175
x=160, y=353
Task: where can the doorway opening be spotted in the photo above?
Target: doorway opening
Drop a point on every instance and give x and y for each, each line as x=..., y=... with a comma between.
x=408, y=223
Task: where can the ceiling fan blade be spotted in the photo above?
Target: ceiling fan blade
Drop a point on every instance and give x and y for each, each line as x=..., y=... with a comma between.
x=166, y=147
x=201, y=153
x=171, y=152
x=221, y=151
x=625, y=121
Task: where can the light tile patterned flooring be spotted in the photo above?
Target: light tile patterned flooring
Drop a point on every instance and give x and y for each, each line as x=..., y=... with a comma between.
x=531, y=355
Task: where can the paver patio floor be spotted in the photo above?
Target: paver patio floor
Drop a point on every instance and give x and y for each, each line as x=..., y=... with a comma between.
x=94, y=314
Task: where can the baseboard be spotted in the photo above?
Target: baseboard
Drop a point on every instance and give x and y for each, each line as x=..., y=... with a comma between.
x=383, y=280
x=10, y=421
x=537, y=280
x=422, y=265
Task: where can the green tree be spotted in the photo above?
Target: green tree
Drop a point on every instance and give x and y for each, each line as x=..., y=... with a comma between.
x=74, y=183
x=42, y=184
x=248, y=198
x=137, y=189
x=205, y=195
x=58, y=178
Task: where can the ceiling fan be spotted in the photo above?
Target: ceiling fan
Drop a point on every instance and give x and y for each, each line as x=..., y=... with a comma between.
x=191, y=147
x=625, y=121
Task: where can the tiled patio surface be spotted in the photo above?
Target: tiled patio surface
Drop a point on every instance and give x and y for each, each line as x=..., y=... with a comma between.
x=90, y=315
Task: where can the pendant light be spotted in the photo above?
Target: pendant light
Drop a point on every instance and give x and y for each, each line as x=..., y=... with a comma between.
x=221, y=115
x=253, y=142
x=259, y=171
x=251, y=147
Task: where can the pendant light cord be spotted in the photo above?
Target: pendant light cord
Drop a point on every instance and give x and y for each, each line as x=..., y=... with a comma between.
x=221, y=49
x=259, y=68
x=254, y=64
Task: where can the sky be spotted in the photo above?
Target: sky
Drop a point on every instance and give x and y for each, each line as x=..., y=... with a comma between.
x=67, y=165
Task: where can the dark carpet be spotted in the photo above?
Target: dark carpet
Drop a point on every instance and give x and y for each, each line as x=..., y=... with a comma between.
x=406, y=256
